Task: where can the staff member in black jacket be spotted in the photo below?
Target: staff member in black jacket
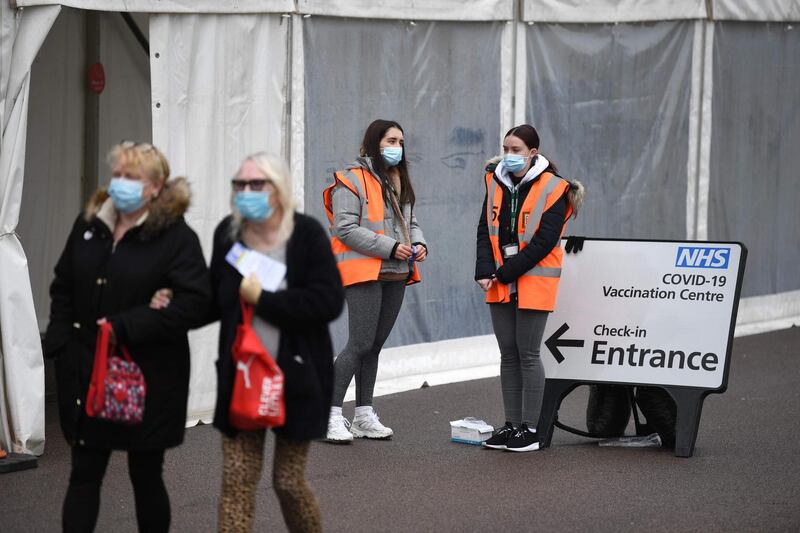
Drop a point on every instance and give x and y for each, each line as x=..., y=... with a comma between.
x=292, y=324
x=518, y=265
x=131, y=240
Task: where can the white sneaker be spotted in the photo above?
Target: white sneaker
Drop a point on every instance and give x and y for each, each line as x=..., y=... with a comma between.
x=338, y=430
x=370, y=427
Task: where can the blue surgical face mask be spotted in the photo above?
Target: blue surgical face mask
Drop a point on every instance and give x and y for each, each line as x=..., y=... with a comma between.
x=392, y=155
x=254, y=205
x=126, y=194
x=514, y=162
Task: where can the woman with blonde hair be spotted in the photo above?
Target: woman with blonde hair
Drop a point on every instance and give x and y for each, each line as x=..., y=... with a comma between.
x=131, y=240
x=291, y=323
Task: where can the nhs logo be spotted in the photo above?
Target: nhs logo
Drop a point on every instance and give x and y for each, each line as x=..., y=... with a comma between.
x=699, y=257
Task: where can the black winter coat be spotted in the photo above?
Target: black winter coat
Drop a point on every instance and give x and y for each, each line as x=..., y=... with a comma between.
x=313, y=298
x=543, y=241
x=95, y=280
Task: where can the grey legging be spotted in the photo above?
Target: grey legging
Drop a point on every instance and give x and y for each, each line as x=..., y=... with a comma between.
x=372, y=309
x=519, y=335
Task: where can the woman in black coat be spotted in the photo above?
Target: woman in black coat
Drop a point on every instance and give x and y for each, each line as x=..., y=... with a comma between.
x=292, y=324
x=131, y=241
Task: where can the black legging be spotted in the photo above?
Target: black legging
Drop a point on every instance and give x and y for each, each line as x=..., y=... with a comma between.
x=82, y=502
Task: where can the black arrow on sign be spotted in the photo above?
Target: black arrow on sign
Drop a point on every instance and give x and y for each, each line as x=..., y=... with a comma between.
x=554, y=342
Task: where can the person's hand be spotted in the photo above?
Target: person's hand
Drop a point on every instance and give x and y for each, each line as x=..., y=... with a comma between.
x=403, y=252
x=574, y=244
x=250, y=289
x=161, y=299
x=486, y=284
x=112, y=337
x=422, y=253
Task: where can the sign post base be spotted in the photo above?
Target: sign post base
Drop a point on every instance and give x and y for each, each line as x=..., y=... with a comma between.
x=689, y=402
x=17, y=461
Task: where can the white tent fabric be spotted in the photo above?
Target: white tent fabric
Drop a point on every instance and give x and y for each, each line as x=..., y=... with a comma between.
x=479, y=10
x=21, y=367
x=611, y=10
x=587, y=11
x=219, y=86
x=760, y=10
x=174, y=6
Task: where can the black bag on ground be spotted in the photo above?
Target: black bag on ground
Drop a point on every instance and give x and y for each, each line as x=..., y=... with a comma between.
x=608, y=410
x=660, y=410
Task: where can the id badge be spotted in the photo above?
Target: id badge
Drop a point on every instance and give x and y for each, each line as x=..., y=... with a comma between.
x=510, y=250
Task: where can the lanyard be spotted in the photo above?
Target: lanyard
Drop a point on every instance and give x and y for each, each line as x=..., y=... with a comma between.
x=514, y=208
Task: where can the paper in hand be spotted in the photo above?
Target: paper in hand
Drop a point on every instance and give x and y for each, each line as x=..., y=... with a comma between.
x=268, y=271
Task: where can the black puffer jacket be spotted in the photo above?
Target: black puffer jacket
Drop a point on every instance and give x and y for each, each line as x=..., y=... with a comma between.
x=543, y=241
x=95, y=280
x=314, y=297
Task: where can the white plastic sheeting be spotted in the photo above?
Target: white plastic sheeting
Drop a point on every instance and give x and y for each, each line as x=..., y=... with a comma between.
x=755, y=161
x=611, y=104
x=442, y=82
x=21, y=366
x=595, y=11
x=219, y=85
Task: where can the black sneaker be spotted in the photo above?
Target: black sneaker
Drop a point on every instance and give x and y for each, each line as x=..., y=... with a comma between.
x=499, y=437
x=523, y=440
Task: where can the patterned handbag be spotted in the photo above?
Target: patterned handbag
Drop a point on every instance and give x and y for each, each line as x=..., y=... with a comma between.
x=117, y=389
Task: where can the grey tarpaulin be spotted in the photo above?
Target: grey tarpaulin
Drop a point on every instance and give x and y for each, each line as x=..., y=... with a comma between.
x=441, y=82
x=611, y=104
x=755, y=161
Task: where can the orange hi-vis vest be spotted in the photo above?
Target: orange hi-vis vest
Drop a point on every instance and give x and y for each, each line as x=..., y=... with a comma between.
x=537, y=288
x=355, y=267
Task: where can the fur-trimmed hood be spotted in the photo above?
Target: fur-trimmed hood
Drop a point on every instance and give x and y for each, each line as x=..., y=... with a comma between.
x=170, y=205
x=575, y=194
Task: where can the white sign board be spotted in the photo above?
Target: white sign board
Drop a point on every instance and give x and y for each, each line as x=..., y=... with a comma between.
x=649, y=312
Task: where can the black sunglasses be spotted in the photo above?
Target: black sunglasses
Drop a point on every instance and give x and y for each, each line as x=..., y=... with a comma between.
x=255, y=185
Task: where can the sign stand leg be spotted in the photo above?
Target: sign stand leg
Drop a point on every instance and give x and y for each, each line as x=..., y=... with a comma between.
x=689, y=404
x=554, y=391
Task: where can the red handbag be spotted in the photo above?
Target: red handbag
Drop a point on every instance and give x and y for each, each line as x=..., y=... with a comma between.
x=117, y=389
x=257, y=399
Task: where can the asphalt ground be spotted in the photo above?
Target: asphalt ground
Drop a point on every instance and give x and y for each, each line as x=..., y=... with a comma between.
x=744, y=475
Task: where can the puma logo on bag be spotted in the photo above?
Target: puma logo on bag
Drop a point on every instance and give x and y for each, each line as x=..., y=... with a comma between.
x=245, y=368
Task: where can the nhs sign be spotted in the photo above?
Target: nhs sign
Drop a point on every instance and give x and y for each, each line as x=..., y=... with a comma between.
x=700, y=257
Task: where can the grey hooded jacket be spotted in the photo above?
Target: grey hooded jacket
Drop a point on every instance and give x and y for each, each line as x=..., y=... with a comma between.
x=347, y=213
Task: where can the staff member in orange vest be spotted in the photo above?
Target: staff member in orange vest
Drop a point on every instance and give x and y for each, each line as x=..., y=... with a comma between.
x=518, y=265
x=377, y=243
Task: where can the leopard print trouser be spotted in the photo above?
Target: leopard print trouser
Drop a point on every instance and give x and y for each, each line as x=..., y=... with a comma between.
x=242, y=459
